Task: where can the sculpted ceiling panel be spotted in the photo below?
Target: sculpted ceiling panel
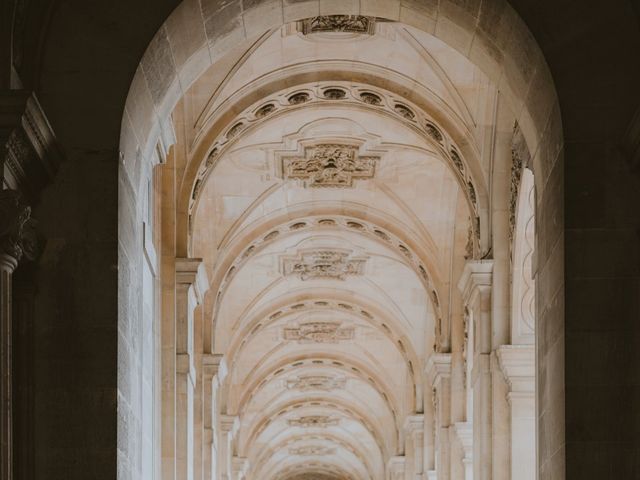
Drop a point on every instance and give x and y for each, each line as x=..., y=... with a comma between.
x=329, y=165
x=310, y=421
x=321, y=263
x=319, y=332
x=316, y=382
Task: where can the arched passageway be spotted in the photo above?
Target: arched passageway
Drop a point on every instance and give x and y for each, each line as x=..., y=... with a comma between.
x=141, y=187
x=345, y=203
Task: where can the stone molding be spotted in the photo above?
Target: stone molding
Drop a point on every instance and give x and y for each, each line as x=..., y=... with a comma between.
x=438, y=367
x=414, y=424
x=229, y=423
x=477, y=274
x=463, y=432
x=517, y=363
x=240, y=467
x=212, y=364
x=31, y=154
x=191, y=271
x=395, y=468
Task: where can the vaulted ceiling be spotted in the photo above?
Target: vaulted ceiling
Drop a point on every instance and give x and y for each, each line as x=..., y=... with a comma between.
x=339, y=187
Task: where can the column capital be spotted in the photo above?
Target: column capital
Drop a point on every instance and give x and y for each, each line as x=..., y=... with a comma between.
x=464, y=434
x=414, y=424
x=438, y=367
x=191, y=272
x=213, y=364
x=395, y=468
x=229, y=423
x=240, y=467
x=476, y=276
x=517, y=363
x=17, y=229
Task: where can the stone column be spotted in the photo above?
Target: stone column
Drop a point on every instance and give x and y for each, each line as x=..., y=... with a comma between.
x=517, y=363
x=475, y=285
x=464, y=435
x=395, y=468
x=213, y=371
x=414, y=432
x=438, y=370
x=228, y=427
x=191, y=284
x=17, y=239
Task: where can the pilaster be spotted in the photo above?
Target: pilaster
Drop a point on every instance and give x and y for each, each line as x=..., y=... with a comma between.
x=395, y=468
x=17, y=239
x=191, y=285
x=438, y=371
x=517, y=363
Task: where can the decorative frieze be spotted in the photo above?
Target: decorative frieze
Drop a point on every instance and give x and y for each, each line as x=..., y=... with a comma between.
x=329, y=165
x=311, y=421
x=338, y=23
x=312, y=450
x=519, y=159
x=316, y=382
x=319, y=332
x=312, y=264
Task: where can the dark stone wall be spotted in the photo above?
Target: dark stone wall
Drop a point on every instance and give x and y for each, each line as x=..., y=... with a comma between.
x=591, y=48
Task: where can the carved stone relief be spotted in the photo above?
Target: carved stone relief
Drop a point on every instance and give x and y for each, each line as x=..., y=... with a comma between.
x=323, y=264
x=315, y=450
x=338, y=23
x=17, y=228
x=319, y=332
x=321, y=421
x=329, y=165
x=316, y=382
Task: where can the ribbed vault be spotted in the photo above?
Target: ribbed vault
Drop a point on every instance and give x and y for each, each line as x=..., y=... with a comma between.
x=333, y=185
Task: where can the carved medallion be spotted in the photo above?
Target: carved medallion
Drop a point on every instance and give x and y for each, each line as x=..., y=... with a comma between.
x=329, y=165
x=321, y=421
x=319, y=332
x=323, y=264
x=312, y=450
x=315, y=382
x=338, y=23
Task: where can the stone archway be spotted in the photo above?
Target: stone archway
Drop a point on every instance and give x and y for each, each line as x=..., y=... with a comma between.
x=214, y=124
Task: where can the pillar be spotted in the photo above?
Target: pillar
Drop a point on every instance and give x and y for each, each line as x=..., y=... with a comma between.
x=517, y=363
x=414, y=440
x=213, y=372
x=438, y=370
x=475, y=285
x=191, y=284
x=228, y=426
x=464, y=436
x=17, y=239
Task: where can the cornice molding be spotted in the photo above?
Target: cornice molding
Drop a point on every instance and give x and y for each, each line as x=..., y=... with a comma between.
x=32, y=154
x=477, y=274
x=191, y=272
